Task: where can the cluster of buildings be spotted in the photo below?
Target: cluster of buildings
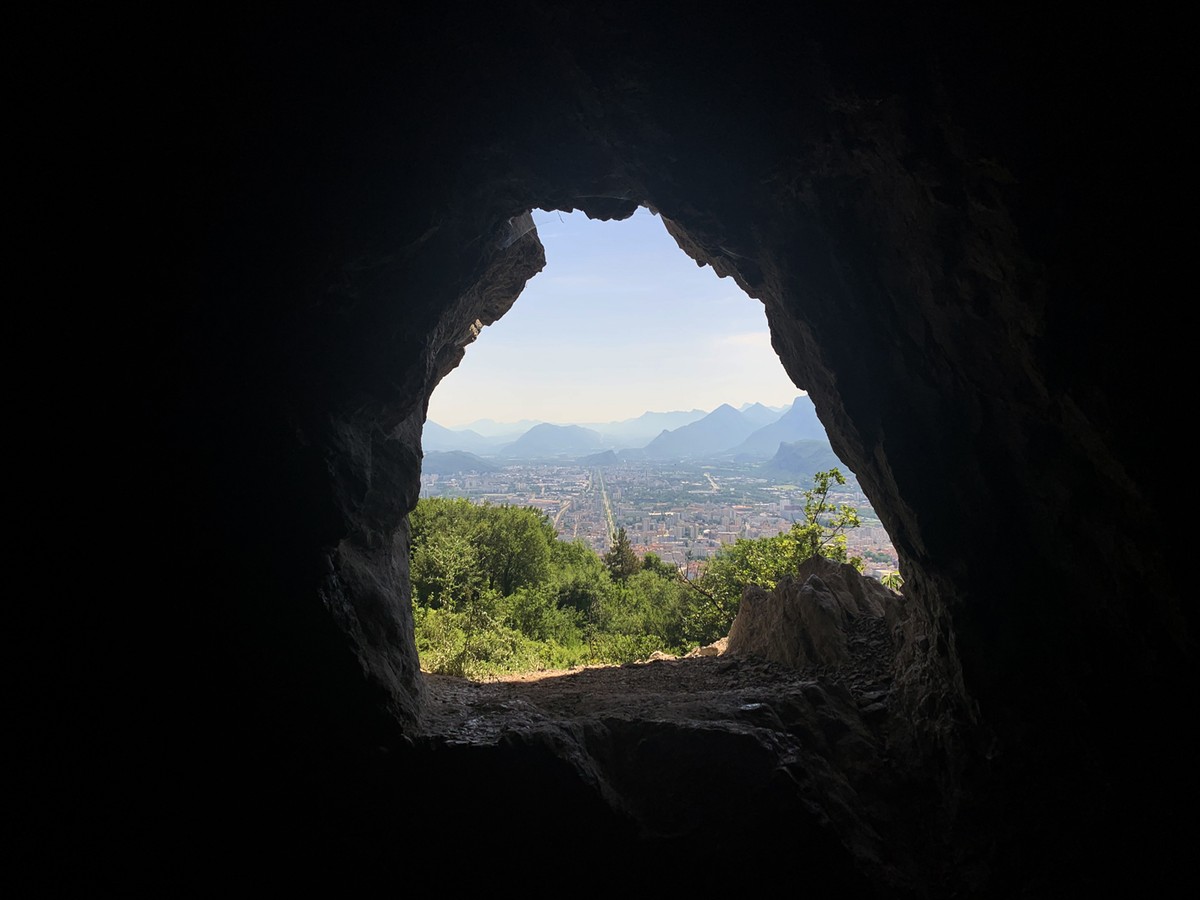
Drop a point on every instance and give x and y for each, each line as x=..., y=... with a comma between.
x=676, y=511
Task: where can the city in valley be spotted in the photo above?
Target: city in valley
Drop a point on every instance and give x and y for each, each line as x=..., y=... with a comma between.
x=680, y=510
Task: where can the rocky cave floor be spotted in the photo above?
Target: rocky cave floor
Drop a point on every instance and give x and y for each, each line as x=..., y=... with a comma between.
x=827, y=728
x=703, y=685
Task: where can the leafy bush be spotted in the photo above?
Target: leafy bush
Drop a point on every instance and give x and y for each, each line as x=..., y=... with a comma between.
x=449, y=645
x=609, y=648
x=496, y=591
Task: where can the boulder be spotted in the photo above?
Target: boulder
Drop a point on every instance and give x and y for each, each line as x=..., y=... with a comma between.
x=805, y=620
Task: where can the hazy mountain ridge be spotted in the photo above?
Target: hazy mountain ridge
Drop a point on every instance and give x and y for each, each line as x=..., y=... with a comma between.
x=754, y=430
x=451, y=462
x=507, y=431
x=438, y=438
x=603, y=458
x=799, y=423
x=800, y=458
x=546, y=440
x=639, y=431
x=716, y=432
x=760, y=415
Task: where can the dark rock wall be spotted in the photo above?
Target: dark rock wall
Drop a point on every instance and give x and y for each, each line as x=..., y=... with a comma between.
x=937, y=210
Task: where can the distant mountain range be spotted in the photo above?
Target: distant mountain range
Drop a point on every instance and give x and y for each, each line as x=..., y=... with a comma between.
x=640, y=431
x=761, y=415
x=435, y=437
x=753, y=432
x=634, y=432
x=545, y=440
x=800, y=423
x=451, y=462
x=721, y=429
x=604, y=458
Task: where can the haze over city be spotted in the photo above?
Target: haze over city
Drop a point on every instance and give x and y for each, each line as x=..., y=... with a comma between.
x=620, y=321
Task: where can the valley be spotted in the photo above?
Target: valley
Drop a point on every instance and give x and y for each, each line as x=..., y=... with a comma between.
x=677, y=510
x=681, y=492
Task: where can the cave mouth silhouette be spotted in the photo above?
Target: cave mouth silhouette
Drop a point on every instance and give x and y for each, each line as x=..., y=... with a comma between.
x=945, y=217
x=590, y=267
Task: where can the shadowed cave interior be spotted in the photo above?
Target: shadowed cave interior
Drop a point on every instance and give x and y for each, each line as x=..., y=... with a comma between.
x=926, y=205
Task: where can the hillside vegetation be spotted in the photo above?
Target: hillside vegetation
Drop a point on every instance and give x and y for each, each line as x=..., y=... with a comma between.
x=495, y=591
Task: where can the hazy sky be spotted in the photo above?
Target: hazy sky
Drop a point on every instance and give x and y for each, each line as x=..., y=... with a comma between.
x=619, y=322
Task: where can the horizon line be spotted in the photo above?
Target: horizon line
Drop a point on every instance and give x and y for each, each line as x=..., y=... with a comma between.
x=539, y=421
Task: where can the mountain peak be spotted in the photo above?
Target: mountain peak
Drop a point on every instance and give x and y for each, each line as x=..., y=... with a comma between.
x=719, y=430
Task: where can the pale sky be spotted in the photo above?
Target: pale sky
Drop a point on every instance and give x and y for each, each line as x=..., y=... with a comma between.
x=618, y=323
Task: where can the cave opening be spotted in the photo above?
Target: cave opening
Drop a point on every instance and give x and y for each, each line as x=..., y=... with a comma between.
x=633, y=392
x=945, y=215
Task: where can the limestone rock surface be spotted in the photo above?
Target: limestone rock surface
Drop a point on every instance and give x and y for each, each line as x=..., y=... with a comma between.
x=805, y=620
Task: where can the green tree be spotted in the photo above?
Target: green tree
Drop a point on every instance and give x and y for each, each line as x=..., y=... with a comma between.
x=536, y=614
x=579, y=579
x=652, y=562
x=482, y=598
x=443, y=563
x=444, y=570
x=642, y=614
x=514, y=546
x=620, y=560
x=822, y=531
x=458, y=546
x=441, y=514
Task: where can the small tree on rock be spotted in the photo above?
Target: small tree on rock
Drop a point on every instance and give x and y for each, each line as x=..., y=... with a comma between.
x=822, y=531
x=763, y=561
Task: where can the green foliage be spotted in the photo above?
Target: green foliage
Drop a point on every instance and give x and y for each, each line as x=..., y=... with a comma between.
x=652, y=562
x=515, y=546
x=579, y=578
x=495, y=590
x=615, y=648
x=893, y=580
x=822, y=532
x=444, y=565
x=460, y=548
x=763, y=561
x=620, y=560
x=535, y=612
x=645, y=605
x=458, y=643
